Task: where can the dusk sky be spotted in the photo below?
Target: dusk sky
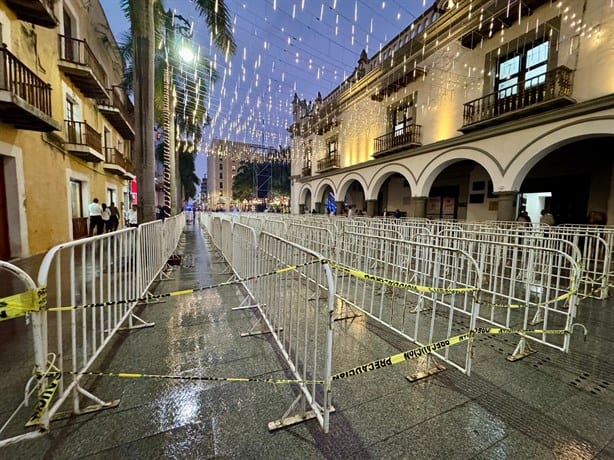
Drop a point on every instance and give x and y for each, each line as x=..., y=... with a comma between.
x=283, y=47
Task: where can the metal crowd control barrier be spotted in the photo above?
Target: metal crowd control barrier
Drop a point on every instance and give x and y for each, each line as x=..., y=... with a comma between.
x=529, y=281
x=20, y=282
x=297, y=308
x=318, y=239
x=420, y=315
x=88, y=273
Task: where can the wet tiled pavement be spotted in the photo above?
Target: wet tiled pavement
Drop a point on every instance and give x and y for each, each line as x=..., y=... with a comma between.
x=547, y=406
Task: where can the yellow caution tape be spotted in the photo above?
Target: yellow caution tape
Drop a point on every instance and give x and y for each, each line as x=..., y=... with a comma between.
x=398, y=284
x=18, y=305
x=134, y=375
x=436, y=346
x=184, y=291
x=45, y=399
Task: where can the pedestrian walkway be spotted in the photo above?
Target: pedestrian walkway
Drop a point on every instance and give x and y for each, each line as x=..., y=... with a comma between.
x=546, y=406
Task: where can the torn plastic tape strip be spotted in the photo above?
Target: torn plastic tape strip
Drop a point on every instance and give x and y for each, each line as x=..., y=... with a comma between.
x=18, y=305
x=44, y=399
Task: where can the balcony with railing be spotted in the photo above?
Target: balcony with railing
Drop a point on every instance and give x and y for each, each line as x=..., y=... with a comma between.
x=25, y=99
x=400, y=139
x=129, y=166
x=544, y=92
x=118, y=109
x=114, y=161
x=83, y=141
x=330, y=162
x=306, y=170
x=39, y=12
x=78, y=62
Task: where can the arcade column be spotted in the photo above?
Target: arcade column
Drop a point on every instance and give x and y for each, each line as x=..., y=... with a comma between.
x=371, y=207
x=418, y=206
x=506, y=209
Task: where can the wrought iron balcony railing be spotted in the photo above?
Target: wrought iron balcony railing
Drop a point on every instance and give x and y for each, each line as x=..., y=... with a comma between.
x=118, y=109
x=18, y=80
x=542, y=91
x=85, y=70
x=83, y=141
x=328, y=163
x=408, y=136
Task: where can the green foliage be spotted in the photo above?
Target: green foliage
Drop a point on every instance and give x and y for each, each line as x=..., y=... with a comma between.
x=189, y=180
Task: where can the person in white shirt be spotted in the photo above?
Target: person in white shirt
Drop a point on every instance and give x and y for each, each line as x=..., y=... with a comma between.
x=132, y=217
x=95, y=212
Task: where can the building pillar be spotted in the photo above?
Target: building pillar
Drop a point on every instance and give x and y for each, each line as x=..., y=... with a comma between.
x=418, y=206
x=371, y=207
x=339, y=205
x=506, y=209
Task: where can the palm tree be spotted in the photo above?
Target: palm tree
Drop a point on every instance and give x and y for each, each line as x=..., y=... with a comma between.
x=142, y=14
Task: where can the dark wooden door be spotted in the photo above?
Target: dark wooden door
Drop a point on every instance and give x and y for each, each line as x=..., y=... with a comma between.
x=5, y=248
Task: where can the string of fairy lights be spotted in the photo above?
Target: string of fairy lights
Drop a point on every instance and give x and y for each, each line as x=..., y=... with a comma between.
x=306, y=47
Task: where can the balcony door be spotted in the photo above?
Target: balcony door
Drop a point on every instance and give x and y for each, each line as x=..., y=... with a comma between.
x=521, y=77
x=79, y=221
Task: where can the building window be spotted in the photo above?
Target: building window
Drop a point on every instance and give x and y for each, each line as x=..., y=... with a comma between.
x=402, y=115
x=221, y=186
x=221, y=166
x=331, y=148
x=221, y=175
x=527, y=68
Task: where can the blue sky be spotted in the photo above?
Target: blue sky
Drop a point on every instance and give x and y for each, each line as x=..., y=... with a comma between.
x=283, y=47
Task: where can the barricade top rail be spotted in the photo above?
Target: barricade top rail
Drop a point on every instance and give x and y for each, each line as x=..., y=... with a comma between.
x=51, y=253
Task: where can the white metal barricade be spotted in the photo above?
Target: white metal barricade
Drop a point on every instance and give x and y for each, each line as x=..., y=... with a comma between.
x=318, y=239
x=529, y=281
x=445, y=280
x=92, y=286
x=297, y=306
x=19, y=282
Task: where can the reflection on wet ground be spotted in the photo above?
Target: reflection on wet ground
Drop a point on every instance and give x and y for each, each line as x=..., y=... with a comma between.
x=548, y=405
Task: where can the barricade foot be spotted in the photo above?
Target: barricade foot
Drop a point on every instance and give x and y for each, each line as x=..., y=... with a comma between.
x=100, y=405
x=344, y=310
x=131, y=326
x=289, y=420
x=151, y=299
x=243, y=306
x=426, y=367
x=522, y=349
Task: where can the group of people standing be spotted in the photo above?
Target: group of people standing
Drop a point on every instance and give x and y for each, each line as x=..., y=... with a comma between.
x=103, y=218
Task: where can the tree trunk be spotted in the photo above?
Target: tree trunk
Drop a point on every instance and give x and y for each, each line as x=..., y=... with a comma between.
x=142, y=20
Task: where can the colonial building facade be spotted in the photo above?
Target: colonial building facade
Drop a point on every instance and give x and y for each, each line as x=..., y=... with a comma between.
x=476, y=110
x=66, y=126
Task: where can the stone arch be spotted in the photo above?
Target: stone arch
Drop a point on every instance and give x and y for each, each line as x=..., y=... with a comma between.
x=318, y=196
x=443, y=160
x=380, y=176
x=544, y=144
x=302, y=194
x=347, y=180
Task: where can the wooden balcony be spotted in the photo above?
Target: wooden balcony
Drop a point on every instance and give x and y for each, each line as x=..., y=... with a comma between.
x=118, y=109
x=25, y=99
x=130, y=172
x=401, y=139
x=545, y=92
x=114, y=161
x=83, y=141
x=328, y=163
x=39, y=12
x=80, y=65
